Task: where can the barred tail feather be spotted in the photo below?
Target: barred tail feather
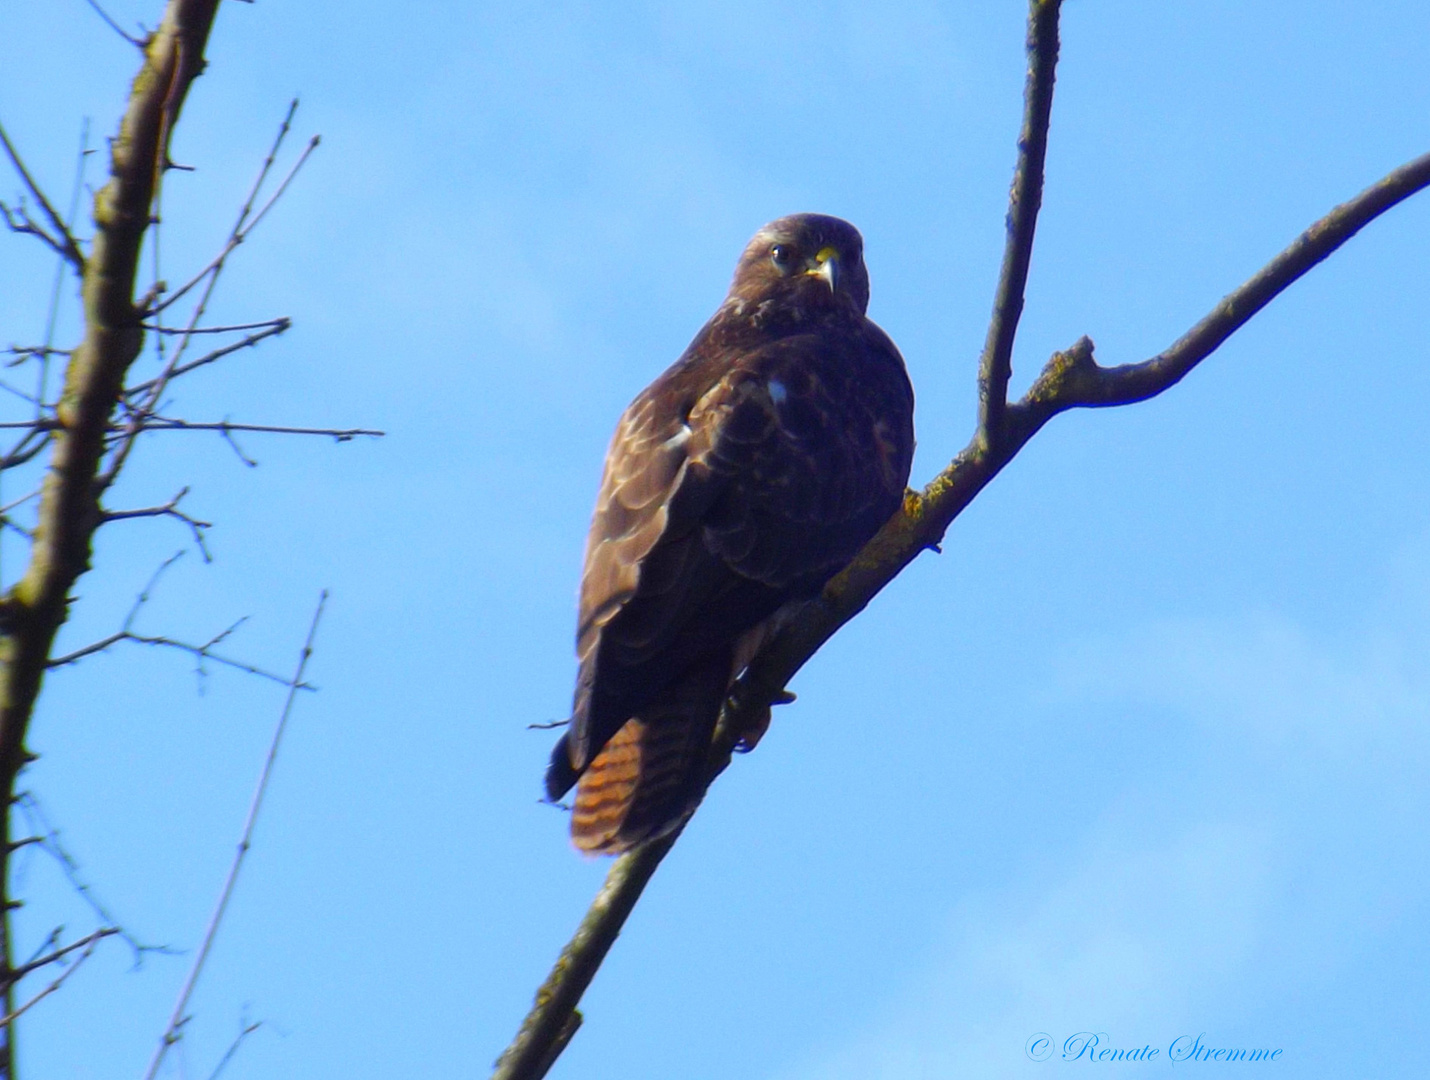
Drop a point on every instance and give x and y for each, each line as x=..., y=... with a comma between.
x=651, y=773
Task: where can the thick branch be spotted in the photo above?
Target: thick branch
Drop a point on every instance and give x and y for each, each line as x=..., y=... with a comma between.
x=69, y=512
x=551, y=1023
x=1024, y=200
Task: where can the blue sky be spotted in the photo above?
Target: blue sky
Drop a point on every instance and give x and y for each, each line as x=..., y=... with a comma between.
x=1141, y=754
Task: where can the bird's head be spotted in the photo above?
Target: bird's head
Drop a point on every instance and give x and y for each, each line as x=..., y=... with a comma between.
x=805, y=263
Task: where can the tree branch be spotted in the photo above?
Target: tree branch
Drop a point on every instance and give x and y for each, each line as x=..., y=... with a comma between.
x=201, y=653
x=69, y=512
x=554, y=1019
x=270, y=329
x=995, y=366
x=245, y=1029
x=63, y=241
x=59, y=954
x=167, y=423
x=247, y=220
x=163, y=423
x=209, y=276
x=245, y=841
x=1075, y=381
x=169, y=509
x=19, y=221
x=13, y=1015
x=1070, y=379
x=49, y=840
x=114, y=25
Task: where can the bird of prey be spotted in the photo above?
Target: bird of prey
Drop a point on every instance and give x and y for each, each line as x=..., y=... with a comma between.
x=737, y=484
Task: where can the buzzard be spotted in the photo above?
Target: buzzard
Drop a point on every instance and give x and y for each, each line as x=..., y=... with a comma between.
x=736, y=485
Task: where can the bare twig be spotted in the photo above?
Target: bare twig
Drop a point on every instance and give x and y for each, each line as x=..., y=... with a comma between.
x=28, y=399
x=52, y=939
x=245, y=1029
x=238, y=450
x=165, y=423
x=62, y=240
x=243, y=226
x=169, y=509
x=114, y=25
x=22, y=353
x=177, y=1017
x=59, y=954
x=19, y=221
x=201, y=653
x=21, y=453
x=160, y=423
x=47, y=838
x=271, y=329
x=42, y=381
x=282, y=321
x=10, y=1017
x=209, y=276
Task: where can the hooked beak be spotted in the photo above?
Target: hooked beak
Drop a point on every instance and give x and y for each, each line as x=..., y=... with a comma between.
x=825, y=265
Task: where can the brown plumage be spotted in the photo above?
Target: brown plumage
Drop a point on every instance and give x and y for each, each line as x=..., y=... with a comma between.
x=736, y=485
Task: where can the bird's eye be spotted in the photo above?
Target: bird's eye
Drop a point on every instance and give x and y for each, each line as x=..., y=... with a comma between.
x=779, y=255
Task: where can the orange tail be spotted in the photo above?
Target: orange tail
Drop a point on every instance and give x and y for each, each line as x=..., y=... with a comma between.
x=651, y=774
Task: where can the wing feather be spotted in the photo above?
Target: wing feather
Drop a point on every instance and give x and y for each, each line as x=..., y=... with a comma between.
x=722, y=500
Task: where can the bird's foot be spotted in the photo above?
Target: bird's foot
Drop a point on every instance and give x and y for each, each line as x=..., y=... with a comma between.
x=755, y=730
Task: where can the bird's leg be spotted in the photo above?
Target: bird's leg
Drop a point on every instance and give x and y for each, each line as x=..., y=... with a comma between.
x=755, y=730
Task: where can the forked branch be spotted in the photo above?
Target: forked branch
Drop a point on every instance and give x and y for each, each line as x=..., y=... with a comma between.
x=60, y=239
